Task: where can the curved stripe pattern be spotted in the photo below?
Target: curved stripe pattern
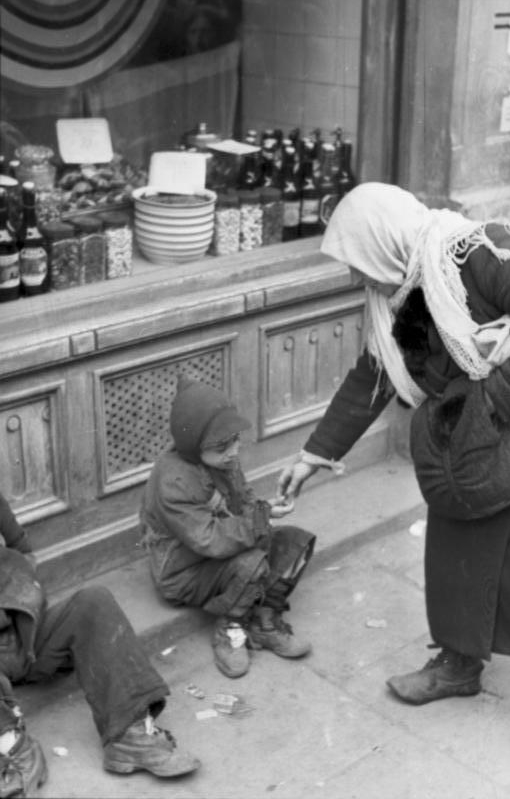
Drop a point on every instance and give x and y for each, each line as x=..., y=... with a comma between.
x=58, y=43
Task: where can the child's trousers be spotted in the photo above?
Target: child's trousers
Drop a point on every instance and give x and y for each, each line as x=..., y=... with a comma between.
x=231, y=587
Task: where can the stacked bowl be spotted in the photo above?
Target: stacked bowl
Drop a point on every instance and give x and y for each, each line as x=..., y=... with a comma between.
x=173, y=228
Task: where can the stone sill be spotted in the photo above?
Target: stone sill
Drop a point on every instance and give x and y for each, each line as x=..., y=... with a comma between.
x=66, y=325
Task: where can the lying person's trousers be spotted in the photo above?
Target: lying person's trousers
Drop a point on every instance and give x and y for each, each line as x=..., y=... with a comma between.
x=232, y=586
x=90, y=633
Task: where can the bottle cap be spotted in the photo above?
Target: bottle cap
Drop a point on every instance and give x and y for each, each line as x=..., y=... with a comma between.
x=57, y=230
x=227, y=199
x=270, y=194
x=86, y=224
x=249, y=196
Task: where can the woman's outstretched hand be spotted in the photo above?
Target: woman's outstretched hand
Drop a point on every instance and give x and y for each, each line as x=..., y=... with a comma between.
x=292, y=478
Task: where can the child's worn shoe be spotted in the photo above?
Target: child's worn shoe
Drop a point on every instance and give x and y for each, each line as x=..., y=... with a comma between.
x=145, y=747
x=229, y=645
x=269, y=631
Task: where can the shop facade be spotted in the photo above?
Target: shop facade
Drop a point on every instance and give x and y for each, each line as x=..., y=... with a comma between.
x=87, y=375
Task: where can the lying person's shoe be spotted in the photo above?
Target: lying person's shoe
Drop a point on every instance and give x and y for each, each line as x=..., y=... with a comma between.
x=448, y=674
x=145, y=747
x=268, y=631
x=23, y=769
x=229, y=646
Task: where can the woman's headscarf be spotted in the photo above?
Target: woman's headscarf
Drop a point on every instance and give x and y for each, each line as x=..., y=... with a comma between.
x=391, y=237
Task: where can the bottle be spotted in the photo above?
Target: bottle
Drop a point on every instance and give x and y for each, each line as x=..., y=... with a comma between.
x=316, y=137
x=309, y=224
x=33, y=257
x=346, y=179
x=328, y=188
x=250, y=172
x=9, y=256
x=291, y=198
x=337, y=144
x=269, y=173
x=3, y=165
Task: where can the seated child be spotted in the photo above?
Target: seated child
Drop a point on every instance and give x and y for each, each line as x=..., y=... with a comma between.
x=209, y=538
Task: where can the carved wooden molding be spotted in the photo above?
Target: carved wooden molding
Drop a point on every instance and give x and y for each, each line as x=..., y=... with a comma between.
x=303, y=360
x=33, y=452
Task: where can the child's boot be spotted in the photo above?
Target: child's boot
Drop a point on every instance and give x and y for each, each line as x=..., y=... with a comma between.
x=229, y=645
x=269, y=631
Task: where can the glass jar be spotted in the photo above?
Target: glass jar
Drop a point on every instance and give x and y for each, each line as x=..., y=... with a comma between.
x=227, y=224
x=119, y=244
x=92, y=248
x=35, y=165
x=250, y=234
x=63, y=255
x=272, y=215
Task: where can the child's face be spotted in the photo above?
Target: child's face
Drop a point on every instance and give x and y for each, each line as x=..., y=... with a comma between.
x=221, y=456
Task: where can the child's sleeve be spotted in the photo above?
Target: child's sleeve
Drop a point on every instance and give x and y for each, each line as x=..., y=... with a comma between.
x=206, y=529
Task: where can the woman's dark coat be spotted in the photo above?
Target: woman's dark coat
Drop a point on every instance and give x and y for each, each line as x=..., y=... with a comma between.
x=467, y=566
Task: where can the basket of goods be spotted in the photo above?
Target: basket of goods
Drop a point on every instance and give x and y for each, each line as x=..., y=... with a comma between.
x=98, y=187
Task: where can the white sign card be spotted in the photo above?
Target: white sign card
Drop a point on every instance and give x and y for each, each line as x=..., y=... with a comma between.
x=84, y=141
x=177, y=172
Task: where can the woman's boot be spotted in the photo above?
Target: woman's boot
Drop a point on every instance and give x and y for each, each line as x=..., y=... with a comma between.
x=448, y=674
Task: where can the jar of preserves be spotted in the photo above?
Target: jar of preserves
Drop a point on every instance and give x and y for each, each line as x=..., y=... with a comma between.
x=250, y=234
x=227, y=224
x=35, y=164
x=119, y=244
x=92, y=248
x=63, y=255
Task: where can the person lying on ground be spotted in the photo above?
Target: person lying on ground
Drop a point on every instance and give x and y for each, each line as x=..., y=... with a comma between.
x=87, y=632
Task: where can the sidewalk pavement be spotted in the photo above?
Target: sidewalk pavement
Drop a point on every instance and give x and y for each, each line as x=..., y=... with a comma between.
x=325, y=726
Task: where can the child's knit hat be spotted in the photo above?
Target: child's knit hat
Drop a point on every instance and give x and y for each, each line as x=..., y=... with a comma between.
x=202, y=417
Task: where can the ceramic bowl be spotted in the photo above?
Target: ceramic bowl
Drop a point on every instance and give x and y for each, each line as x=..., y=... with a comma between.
x=173, y=228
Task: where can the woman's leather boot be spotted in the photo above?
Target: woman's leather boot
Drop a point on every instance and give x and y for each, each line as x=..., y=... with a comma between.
x=448, y=674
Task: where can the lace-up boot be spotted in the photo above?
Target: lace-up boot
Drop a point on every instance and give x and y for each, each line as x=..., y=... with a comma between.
x=448, y=674
x=23, y=769
x=145, y=747
x=229, y=646
x=268, y=631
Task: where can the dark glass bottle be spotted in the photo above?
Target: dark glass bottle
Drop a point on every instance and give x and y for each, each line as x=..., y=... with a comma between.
x=9, y=255
x=270, y=175
x=346, y=179
x=316, y=138
x=328, y=188
x=33, y=257
x=337, y=144
x=3, y=165
x=290, y=196
x=309, y=224
x=250, y=172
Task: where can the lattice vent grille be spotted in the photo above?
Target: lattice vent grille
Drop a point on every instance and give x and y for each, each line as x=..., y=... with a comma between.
x=137, y=407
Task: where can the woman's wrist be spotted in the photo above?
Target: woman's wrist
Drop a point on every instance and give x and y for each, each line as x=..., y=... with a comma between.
x=337, y=467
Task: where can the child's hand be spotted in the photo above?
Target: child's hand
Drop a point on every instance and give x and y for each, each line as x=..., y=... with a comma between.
x=280, y=507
